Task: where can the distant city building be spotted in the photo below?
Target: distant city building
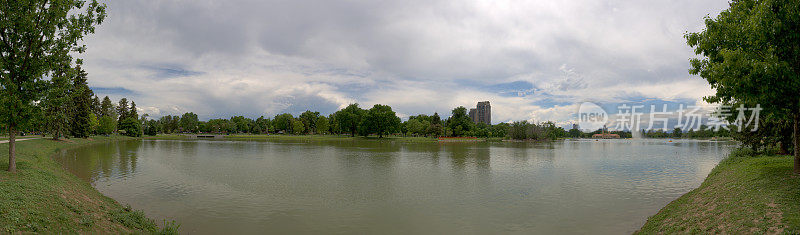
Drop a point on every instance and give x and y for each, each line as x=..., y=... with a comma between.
x=484, y=114
x=481, y=114
x=473, y=115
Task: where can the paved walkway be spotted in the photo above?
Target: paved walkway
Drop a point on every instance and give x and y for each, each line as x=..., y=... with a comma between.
x=17, y=140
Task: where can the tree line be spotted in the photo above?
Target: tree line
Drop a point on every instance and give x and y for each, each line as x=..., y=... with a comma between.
x=380, y=120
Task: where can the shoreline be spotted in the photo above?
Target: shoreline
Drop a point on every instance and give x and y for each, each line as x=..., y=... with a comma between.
x=744, y=193
x=43, y=197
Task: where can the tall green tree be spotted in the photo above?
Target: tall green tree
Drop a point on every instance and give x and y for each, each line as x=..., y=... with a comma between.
x=262, y=125
x=57, y=103
x=81, y=97
x=350, y=118
x=322, y=125
x=96, y=107
x=750, y=55
x=132, y=112
x=459, y=123
x=107, y=125
x=131, y=127
x=189, y=122
x=381, y=120
x=309, y=120
x=297, y=127
x=283, y=122
x=107, y=108
x=123, y=110
x=36, y=37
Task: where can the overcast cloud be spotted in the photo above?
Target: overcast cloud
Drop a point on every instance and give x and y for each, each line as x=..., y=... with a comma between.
x=534, y=60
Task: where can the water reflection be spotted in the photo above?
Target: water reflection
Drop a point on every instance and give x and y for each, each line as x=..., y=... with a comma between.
x=607, y=186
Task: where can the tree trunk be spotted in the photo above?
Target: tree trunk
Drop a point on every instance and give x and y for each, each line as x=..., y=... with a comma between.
x=12, y=149
x=796, y=143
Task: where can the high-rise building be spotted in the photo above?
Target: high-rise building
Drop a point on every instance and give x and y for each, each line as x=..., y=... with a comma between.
x=483, y=113
x=473, y=115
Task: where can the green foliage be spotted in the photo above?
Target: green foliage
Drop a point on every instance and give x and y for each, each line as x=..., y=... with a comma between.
x=417, y=127
x=459, y=123
x=188, y=122
x=56, y=103
x=297, y=127
x=107, y=108
x=132, y=112
x=171, y=124
x=152, y=127
x=38, y=37
x=262, y=125
x=322, y=125
x=123, y=110
x=350, y=118
x=381, y=120
x=750, y=55
x=242, y=124
x=94, y=123
x=522, y=130
x=283, y=122
x=81, y=100
x=131, y=127
x=107, y=125
x=309, y=120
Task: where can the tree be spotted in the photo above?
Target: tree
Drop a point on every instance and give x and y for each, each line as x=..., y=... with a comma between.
x=380, y=119
x=96, y=107
x=123, y=110
x=151, y=127
x=350, y=118
x=132, y=112
x=435, y=129
x=107, y=108
x=262, y=125
x=322, y=125
x=417, y=126
x=333, y=124
x=677, y=132
x=459, y=123
x=283, y=122
x=131, y=127
x=107, y=125
x=57, y=102
x=242, y=124
x=81, y=97
x=309, y=120
x=297, y=127
x=750, y=56
x=36, y=37
x=189, y=122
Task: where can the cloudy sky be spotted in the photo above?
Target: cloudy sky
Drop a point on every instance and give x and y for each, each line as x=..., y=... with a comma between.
x=534, y=60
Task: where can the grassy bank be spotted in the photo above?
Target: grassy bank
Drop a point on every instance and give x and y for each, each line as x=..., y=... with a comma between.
x=43, y=198
x=743, y=194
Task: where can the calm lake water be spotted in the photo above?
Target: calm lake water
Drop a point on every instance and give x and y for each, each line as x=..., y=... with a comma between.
x=382, y=187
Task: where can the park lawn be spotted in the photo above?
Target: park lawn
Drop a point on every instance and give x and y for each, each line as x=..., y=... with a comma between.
x=44, y=198
x=743, y=194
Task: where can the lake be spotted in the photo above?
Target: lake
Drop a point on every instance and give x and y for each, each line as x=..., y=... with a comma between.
x=386, y=187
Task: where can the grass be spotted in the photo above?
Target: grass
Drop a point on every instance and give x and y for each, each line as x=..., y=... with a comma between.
x=43, y=198
x=743, y=194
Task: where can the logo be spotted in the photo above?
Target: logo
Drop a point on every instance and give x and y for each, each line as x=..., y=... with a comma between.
x=591, y=117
